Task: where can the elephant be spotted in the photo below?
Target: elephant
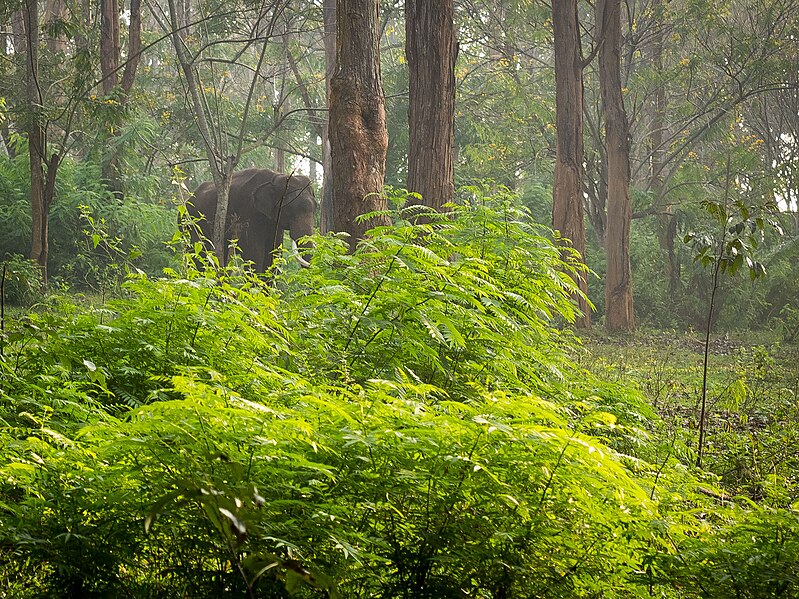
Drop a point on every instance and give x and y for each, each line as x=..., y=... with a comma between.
x=262, y=205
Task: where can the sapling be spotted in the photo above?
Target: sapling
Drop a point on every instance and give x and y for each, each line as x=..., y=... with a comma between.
x=727, y=246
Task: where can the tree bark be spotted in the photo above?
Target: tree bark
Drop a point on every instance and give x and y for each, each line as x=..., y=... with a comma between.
x=358, y=134
x=326, y=206
x=667, y=221
x=110, y=55
x=431, y=52
x=618, y=278
x=43, y=164
x=567, y=190
x=134, y=49
x=36, y=137
x=109, y=45
x=56, y=11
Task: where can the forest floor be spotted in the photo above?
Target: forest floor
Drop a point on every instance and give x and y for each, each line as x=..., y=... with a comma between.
x=752, y=400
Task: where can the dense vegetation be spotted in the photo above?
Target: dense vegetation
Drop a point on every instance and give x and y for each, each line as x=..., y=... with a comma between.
x=407, y=421
x=418, y=418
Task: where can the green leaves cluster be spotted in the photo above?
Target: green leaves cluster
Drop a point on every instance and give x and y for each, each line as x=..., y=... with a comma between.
x=742, y=230
x=405, y=421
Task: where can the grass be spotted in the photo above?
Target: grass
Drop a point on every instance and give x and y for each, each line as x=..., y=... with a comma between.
x=752, y=442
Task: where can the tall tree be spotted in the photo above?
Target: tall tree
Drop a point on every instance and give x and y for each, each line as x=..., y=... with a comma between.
x=618, y=277
x=220, y=161
x=358, y=134
x=431, y=52
x=223, y=148
x=110, y=65
x=326, y=207
x=567, y=190
x=109, y=44
x=37, y=138
x=667, y=221
x=43, y=162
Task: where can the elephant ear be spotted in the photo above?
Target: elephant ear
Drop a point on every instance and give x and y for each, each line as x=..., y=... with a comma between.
x=280, y=185
x=266, y=196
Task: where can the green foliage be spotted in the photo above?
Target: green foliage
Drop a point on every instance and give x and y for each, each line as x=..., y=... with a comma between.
x=405, y=421
x=742, y=228
x=750, y=553
x=22, y=280
x=94, y=236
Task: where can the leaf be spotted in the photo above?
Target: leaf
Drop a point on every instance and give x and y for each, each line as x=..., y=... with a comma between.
x=156, y=509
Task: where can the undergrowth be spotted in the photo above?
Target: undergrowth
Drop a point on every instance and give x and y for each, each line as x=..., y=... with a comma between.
x=405, y=421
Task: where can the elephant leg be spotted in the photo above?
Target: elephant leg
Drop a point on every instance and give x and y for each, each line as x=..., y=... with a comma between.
x=274, y=239
x=253, y=242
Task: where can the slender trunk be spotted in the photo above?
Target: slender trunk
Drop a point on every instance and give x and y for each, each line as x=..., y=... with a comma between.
x=37, y=139
x=134, y=49
x=221, y=167
x=618, y=280
x=110, y=54
x=709, y=322
x=6, y=41
x=431, y=52
x=326, y=207
x=705, y=359
x=284, y=105
x=358, y=134
x=55, y=11
x=85, y=17
x=109, y=45
x=667, y=222
x=567, y=190
x=109, y=69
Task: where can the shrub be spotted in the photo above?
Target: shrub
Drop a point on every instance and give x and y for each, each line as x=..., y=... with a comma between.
x=405, y=421
x=22, y=280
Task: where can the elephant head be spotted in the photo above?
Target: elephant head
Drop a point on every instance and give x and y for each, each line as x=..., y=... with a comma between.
x=262, y=205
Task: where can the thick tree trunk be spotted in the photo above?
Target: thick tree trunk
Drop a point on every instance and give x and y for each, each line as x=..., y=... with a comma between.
x=358, y=134
x=326, y=207
x=431, y=51
x=618, y=278
x=567, y=190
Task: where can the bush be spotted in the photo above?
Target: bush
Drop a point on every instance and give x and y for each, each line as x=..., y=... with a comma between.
x=405, y=421
x=140, y=228
x=22, y=280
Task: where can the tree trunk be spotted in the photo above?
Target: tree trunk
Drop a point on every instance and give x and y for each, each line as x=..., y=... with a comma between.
x=618, y=279
x=358, y=134
x=110, y=54
x=567, y=190
x=326, y=207
x=667, y=222
x=36, y=137
x=221, y=167
x=6, y=43
x=134, y=49
x=109, y=70
x=55, y=11
x=431, y=51
x=109, y=45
